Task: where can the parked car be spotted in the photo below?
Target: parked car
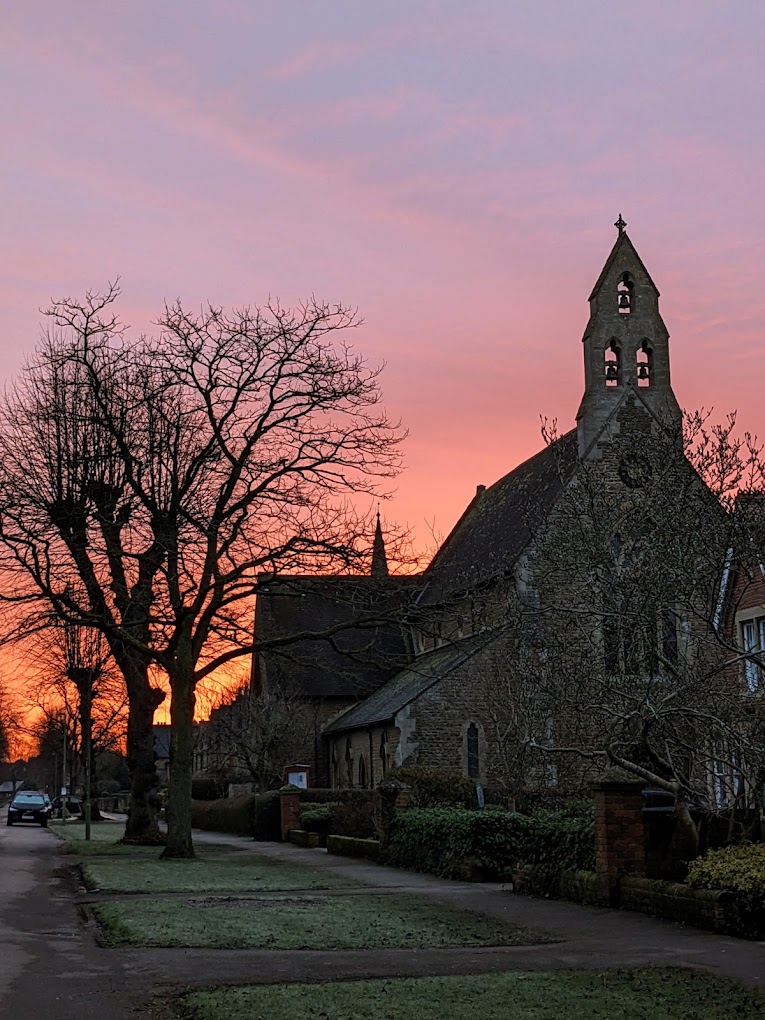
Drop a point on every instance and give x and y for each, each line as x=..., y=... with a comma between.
x=73, y=805
x=28, y=806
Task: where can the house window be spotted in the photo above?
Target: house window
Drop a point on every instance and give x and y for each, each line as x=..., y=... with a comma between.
x=473, y=757
x=753, y=642
x=335, y=767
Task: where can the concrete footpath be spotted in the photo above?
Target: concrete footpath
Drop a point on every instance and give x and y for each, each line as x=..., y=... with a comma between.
x=51, y=967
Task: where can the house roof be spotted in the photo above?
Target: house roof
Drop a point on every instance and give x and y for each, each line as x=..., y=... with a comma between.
x=495, y=528
x=365, y=643
x=409, y=684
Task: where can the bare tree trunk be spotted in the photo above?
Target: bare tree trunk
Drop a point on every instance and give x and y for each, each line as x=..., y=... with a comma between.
x=179, y=843
x=142, y=824
x=688, y=828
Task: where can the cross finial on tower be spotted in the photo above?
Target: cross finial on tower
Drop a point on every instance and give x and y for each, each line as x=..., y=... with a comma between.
x=620, y=224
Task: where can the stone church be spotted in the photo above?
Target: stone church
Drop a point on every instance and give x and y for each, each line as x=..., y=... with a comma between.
x=425, y=683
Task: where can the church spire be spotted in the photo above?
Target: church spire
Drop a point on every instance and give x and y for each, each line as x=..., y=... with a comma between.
x=626, y=344
x=379, y=556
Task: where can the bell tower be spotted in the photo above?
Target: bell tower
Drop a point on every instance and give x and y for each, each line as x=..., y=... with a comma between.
x=626, y=345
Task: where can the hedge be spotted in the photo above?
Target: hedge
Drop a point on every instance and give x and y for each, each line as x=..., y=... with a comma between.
x=740, y=871
x=436, y=787
x=228, y=814
x=251, y=814
x=354, y=817
x=492, y=844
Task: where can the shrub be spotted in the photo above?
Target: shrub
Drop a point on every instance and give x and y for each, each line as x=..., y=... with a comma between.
x=451, y=842
x=266, y=816
x=457, y=843
x=317, y=818
x=229, y=814
x=436, y=787
x=207, y=788
x=741, y=871
x=354, y=817
x=251, y=814
x=553, y=842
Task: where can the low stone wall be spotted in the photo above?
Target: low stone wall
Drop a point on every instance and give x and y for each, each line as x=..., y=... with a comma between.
x=579, y=887
x=302, y=838
x=702, y=908
x=347, y=846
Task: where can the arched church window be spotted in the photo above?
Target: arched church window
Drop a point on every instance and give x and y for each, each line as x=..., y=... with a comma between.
x=349, y=761
x=625, y=294
x=335, y=766
x=613, y=366
x=362, y=772
x=384, y=751
x=644, y=364
x=473, y=755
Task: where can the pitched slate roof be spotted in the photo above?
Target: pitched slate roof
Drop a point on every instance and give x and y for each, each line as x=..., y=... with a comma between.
x=494, y=529
x=409, y=684
x=366, y=645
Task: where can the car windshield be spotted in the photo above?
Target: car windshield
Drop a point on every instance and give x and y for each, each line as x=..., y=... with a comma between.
x=33, y=799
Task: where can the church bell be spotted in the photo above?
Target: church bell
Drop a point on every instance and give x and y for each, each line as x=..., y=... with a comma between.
x=624, y=300
x=612, y=372
x=643, y=371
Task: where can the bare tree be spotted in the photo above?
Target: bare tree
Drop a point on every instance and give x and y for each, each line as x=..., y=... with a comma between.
x=257, y=734
x=226, y=447
x=75, y=692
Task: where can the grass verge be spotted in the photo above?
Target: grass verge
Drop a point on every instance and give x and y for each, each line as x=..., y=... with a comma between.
x=660, y=994
x=235, y=873
x=105, y=842
x=304, y=922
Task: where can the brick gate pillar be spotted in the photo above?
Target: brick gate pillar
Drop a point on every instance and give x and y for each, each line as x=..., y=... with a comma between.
x=619, y=831
x=392, y=797
x=290, y=809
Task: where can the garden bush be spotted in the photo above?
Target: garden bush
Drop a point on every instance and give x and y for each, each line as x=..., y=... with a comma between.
x=453, y=842
x=436, y=787
x=317, y=818
x=740, y=870
x=492, y=844
x=228, y=814
x=207, y=788
x=353, y=817
x=553, y=842
x=251, y=814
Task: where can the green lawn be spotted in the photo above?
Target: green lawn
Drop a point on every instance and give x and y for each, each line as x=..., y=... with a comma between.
x=104, y=842
x=660, y=994
x=235, y=873
x=303, y=922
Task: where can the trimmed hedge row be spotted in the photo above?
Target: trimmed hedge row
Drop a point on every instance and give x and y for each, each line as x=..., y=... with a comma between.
x=253, y=814
x=492, y=844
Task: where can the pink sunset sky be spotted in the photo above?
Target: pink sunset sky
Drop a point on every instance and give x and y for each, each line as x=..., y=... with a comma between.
x=453, y=169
